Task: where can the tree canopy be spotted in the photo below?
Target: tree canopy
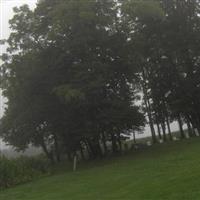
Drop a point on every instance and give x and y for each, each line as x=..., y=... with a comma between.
x=73, y=71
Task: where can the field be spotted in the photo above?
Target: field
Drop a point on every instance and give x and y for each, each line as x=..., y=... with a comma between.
x=166, y=171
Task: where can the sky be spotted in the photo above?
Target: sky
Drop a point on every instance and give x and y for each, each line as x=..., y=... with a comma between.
x=6, y=13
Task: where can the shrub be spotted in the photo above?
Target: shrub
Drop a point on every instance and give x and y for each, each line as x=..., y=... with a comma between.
x=22, y=169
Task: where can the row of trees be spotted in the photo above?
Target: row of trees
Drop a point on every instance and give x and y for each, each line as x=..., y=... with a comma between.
x=169, y=63
x=73, y=71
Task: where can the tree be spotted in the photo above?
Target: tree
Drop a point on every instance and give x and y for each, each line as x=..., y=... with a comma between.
x=67, y=78
x=164, y=35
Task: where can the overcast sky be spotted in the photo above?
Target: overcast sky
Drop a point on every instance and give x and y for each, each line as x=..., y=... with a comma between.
x=6, y=13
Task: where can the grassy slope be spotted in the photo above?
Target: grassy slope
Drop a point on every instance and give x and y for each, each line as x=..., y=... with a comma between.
x=168, y=171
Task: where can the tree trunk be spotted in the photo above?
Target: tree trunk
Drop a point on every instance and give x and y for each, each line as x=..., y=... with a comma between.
x=99, y=150
x=194, y=119
x=74, y=162
x=120, y=143
x=153, y=133
x=164, y=131
x=169, y=129
x=158, y=129
x=57, y=153
x=190, y=132
x=134, y=138
x=48, y=154
x=82, y=152
x=88, y=150
x=104, y=143
x=92, y=149
x=114, y=144
x=180, y=126
x=148, y=109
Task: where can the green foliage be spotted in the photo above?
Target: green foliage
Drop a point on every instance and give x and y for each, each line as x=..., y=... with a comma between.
x=143, y=10
x=163, y=39
x=68, y=94
x=67, y=76
x=21, y=170
x=73, y=70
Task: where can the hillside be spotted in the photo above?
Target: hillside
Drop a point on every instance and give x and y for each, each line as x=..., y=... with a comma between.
x=167, y=171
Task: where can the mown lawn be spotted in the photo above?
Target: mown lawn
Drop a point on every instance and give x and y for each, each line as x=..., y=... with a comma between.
x=167, y=171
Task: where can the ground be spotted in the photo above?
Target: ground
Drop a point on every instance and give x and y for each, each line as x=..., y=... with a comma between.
x=165, y=171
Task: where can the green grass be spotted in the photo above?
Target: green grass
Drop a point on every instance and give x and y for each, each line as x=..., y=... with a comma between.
x=167, y=171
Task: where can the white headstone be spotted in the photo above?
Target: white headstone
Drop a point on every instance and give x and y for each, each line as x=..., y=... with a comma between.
x=161, y=141
x=196, y=132
x=174, y=138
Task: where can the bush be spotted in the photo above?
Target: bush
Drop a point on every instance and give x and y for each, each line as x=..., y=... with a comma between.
x=21, y=170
